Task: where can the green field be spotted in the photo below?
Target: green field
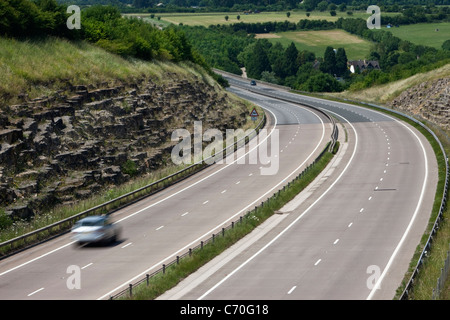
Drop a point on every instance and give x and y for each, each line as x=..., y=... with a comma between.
x=424, y=33
x=207, y=19
x=317, y=41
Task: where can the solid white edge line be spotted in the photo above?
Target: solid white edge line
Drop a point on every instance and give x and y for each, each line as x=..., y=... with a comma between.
x=139, y=211
x=411, y=222
x=290, y=225
x=383, y=274
x=37, y=258
x=232, y=217
x=402, y=240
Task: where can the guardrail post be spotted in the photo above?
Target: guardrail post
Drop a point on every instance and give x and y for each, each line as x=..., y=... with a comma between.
x=164, y=268
x=131, y=289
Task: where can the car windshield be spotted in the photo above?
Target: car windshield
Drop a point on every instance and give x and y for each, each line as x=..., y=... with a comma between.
x=90, y=223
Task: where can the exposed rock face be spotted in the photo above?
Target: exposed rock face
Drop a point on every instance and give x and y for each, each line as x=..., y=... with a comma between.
x=429, y=100
x=62, y=148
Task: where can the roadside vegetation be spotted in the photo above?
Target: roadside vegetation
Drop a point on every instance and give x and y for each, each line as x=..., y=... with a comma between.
x=161, y=282
x=431, y=268
x=39, y=54
x=265, y=51
x=40, y=66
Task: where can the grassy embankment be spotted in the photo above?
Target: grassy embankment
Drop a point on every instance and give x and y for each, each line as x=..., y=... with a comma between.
x=40, y=68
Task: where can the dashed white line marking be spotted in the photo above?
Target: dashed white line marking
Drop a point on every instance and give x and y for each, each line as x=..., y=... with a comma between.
x=238, y=182
x=336, y=241
x=250, y=174
x=317, y=262
x=224, y=191
x=362, y=209
x=159, y=228
x=128, y=244
x=35, y=292
x=292, y=289
x=350, y=224
x=89, y=264
x=187, y=212
x=370, y=198
x=206, y=202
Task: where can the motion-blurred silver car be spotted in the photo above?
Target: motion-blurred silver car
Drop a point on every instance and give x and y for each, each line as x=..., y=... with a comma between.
x=95, y=229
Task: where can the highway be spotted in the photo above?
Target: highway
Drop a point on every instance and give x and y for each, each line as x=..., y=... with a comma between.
x=164, y=225
x=353, y=237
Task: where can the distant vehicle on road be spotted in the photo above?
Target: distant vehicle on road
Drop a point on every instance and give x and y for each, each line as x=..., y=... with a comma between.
x=253, y=83
x=95, y=229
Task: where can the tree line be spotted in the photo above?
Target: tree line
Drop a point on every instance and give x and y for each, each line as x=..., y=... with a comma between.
x=233, y=47
x=101, y=25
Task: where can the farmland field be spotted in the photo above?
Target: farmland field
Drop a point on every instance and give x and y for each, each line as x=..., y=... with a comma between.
x=207, y=19
x=424, y=33
x=317, y=41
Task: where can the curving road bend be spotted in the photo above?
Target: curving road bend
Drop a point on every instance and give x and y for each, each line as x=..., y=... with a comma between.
x=168, y=223
x=353, y=237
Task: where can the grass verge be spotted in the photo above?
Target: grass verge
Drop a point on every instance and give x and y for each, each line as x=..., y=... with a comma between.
x=161, y=281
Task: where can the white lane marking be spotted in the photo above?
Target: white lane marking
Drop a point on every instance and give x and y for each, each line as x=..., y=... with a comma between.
x=206, y=202
x=224, y=191
x=238, y=182
x=159, y=228
x=350, y=224
x=292, y=289
x=362, y=209
x=37, y=258
x=89, y=264
x=336, y=241
x=293, y=222
x=317, y=262
x=187, y=212
x=411, y=222
x=29, y=295
x=370, y=198
x=232, y=217
x=168, y=197
x=128, y=244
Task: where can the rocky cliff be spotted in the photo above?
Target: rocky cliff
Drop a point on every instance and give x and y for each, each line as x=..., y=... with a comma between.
x=429, y=100
x=73, y=143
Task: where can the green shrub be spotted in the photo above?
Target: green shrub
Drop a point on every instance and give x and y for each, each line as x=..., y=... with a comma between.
x=129, y=167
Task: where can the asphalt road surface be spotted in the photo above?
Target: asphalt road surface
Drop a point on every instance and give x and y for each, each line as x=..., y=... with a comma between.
x=351, y=235
x=167, y=224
